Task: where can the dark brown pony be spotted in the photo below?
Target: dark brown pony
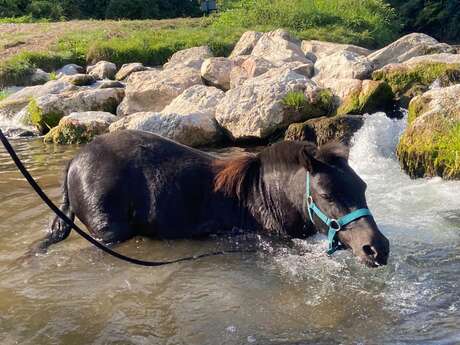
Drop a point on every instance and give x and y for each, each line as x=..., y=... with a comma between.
x=136, y=183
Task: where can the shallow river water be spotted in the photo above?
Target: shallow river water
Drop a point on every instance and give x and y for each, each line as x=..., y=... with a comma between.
x=286, y=293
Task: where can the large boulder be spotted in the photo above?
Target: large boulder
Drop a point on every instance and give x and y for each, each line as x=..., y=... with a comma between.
x=189, y=119
x=246, y=44
x=154, y=90
x=247, y=67
x=192, y=58
x=407, y=47
x=198, y=98
x=46, y=111
x=17, y=101
x=193, y=129
x=80, y=128
x=102, y=70
x=430, y=146
x=343, y=65
x=315, y=50
x=129, y=68
x=216, y=72
x=418, y=74
x=354, y=96
x=272, y=101
x=326, y=129
x=279, y=47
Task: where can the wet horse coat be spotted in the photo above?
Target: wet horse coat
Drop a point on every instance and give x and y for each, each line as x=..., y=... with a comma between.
x=136, y=183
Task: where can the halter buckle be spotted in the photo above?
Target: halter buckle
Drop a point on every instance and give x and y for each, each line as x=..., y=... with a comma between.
x=310, y=201
x=335, y=225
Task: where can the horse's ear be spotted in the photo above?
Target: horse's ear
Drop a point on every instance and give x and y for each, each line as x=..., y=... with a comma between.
x=334, y=153
x=307, y=159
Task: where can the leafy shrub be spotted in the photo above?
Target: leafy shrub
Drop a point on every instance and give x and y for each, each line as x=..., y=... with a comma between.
x=132, y=9
x=45, y=9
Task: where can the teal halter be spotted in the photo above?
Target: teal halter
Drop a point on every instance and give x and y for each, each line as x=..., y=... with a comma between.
x=335, y=225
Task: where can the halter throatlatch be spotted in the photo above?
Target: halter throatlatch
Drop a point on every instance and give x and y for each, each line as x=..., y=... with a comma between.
x=334, y=225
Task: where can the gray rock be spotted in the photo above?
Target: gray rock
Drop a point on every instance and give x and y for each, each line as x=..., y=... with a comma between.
x=102, y=70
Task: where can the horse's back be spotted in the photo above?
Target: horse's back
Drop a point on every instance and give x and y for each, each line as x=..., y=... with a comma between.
x=138, y=178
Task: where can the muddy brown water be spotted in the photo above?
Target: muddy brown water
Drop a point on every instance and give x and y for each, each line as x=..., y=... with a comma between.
x=286, y=293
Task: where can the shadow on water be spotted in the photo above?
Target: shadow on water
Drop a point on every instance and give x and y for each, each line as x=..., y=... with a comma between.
x=288, y=293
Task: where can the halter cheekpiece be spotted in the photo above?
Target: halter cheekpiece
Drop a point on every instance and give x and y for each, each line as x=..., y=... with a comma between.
x=334, y=225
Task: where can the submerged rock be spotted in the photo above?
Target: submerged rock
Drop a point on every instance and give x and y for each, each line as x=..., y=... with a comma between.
x=418, y=74
x=102, y=70
x=80, y=128
x=430, y=146
x=407, y=47
x=326, y=129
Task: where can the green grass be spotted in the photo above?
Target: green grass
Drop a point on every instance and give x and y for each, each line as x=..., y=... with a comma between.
x=22, y=20
x=370, y=23
x=3, y=95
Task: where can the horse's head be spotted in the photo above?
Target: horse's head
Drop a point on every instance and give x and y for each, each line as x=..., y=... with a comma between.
x=273, y=185
x=335, y=191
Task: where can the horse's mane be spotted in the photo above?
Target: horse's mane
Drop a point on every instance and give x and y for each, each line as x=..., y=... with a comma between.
x=234, y=177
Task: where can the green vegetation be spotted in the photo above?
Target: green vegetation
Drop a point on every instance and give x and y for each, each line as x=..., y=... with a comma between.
x=298, y=102
x=408, y=81
x=369, y=23
x=68, y=132
x=437, y=18
x=435, y=152
x=43, y=121
x=98, y=9
x=372, y=97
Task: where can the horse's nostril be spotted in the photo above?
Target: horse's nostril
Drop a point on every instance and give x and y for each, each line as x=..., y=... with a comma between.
x=368, y=250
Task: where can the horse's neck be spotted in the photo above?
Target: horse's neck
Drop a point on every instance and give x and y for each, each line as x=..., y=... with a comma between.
x=269, y=204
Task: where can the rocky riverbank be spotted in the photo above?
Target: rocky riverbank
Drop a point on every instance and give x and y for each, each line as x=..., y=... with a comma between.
x=270, y=86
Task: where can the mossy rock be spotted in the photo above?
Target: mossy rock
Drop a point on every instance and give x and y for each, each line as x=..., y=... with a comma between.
x=325, y=129
x=311, y=104
x=431, y=144
x=68, y=132
x=410, y=80
x=43, y=121
x=372, y=97
x=79, y=79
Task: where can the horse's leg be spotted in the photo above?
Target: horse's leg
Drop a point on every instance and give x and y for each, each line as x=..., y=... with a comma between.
x=58, y=232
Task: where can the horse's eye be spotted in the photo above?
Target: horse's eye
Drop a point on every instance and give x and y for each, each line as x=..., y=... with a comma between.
x=326, y=197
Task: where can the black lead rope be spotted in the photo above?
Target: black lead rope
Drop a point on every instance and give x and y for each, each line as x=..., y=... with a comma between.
x=82, y=233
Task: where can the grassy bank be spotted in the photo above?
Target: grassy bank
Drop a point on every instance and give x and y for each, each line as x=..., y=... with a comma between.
x=369, y=23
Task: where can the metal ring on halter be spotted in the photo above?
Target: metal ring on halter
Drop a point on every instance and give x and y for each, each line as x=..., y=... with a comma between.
x=335, y=225
x=310, y=201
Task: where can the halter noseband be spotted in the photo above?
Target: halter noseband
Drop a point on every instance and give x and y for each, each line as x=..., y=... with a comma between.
x=335, y=225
